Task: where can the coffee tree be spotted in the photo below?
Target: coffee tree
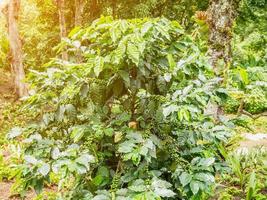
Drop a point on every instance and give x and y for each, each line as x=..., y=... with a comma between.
x=126, y=120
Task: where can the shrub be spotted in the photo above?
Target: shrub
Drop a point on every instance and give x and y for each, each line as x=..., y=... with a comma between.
x=256, y=101
x=126, y=121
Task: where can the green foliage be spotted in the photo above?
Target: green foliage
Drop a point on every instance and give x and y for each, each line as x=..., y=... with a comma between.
x=248, y=177
x=250, y=38
x=127, y=122
x=4, y=168
x=4, y=46
x=248, y=71
x=39, y=31
x=248, y=85
x=231, y=105
x=256, y=101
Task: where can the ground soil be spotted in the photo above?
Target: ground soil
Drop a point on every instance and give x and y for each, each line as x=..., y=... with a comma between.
x=5, y=192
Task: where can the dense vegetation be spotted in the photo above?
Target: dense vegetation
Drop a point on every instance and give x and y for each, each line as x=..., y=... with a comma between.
x=135, y=109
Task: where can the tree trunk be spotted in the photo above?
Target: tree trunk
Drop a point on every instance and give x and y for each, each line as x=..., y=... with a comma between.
x=62, y=24
x=114, y=6
x=95, y=9
x=79, y=6
x=12, y=14
x=221, y=15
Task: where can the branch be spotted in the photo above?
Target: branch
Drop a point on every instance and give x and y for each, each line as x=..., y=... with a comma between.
x=254, y=117
x=244, y=112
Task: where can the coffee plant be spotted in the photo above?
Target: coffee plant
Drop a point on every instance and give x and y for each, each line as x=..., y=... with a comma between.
x=124, y=118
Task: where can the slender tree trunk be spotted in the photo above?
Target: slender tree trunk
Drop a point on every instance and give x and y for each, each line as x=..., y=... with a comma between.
x=62, y=23
x=79, y=6
x=12, y=14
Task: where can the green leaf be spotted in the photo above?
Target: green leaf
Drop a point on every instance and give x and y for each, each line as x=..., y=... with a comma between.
x=183, y=114
x=251, y=186
x=55, y=154
x=15, y=132
x=115, y=33
x=194, y=186
x=147, y=195
x=74, y=31
x=163, y=31
x=136, y=136
x=180, y=115
x=109, y=132
x=146, y=27
x=126, y=147
x=244, y=76
x=171, y=61
x=160, y=183
x=161, y=188
x=144, y=151
x=206, y=162
x=102, y=176
x=187, y=89
x=204, y=177
x=163, y=192
x=123, y=26
x=133, y=53
x=186, y=115
x=136, y=158
x=77, y=133
x=30, y=159
x=125, y=76
x=81, y=169
x=38, y=185
x=138, y=186
x=167, y=77
x=44, y=169
x=169, y=109
x=85, y=159
x=99, y=65
x=120, y=52
x=185, y=178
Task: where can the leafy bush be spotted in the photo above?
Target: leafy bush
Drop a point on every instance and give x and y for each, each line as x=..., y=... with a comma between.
x=231, y=105
x=256, y=101
x=126, y=121
x=249, y=85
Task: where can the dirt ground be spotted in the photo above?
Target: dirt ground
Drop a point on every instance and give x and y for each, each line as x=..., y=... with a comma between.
x=5, y=192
